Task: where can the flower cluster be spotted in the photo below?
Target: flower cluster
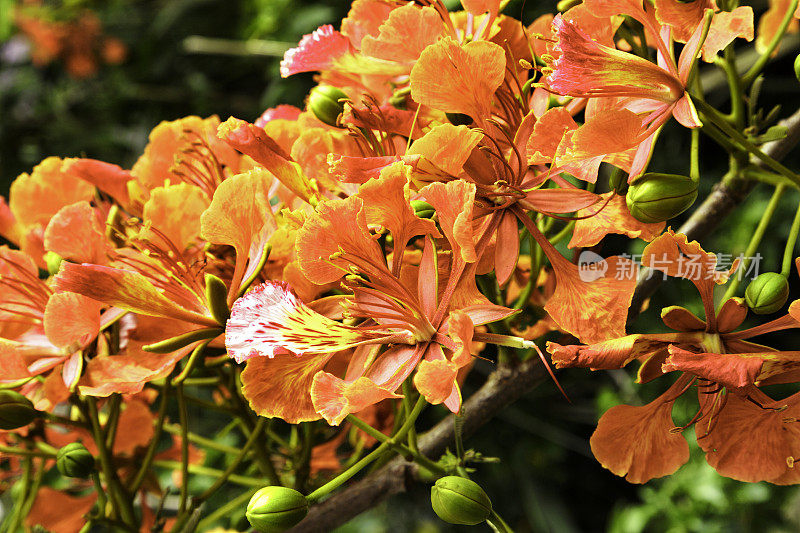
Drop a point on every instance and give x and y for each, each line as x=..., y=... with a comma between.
x=366, y=249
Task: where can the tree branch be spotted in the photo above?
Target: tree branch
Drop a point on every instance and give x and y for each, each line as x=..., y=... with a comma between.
x=504, y=386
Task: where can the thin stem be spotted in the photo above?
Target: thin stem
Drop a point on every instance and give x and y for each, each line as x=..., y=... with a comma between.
x=225, y=510
x=384, y=447
x=22, y=452
x=755, y=240
x=788, y=252
x=412, y=435
x=147, y=460
x=751, y=74
x=175, y=429
x=183, y=416
x=498, y=524
x=191, y=363
x=222, y=479
x=714, y=116
x=200, y=470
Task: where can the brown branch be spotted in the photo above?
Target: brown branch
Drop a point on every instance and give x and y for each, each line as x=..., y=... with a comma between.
x=503, y=387
x=724, y=198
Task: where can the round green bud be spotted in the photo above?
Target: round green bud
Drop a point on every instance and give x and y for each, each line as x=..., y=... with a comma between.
x=564, y=5
x=74, y=460
x=16, y=410
x=53, y=262
x=767, y=293
x=422, y=208
x=274, y=509
x=658, y=197
x=459, y=500
x=325, y=102
x=797, y=67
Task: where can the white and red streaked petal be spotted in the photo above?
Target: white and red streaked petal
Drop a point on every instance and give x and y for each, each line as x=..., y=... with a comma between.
x=316, y=51
x=270, y=320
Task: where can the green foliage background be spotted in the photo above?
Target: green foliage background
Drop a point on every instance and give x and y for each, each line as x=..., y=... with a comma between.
x=547, y=479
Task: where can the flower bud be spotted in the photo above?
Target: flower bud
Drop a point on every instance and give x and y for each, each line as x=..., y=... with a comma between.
x=459, y=500
x=767, y=293
x=324, y=102
x=15, y=410
x=658, y=197
x=797, y=67
x=422, y=208
x=53, y=262
x=274, y=509
x=74, y=460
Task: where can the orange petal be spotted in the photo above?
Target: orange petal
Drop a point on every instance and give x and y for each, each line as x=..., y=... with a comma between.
x=337, y=230
x=124, y=289
x=447, y=146
x=730, y=370
x=681, y=319
x=134, y=429
x=111, y=179
x=547, y=134
x=613, y=218
x=770, y=22
x=240, y=215
x=334, y=399
x=453, y=203
x=748, y=442
x=610, y=354
x=365, y=18
x=682, y=17
x=592, y=304
x=281, y=387
x=638, y=442
x=71, y=319
x=59, y=512
x=479, y=7
x=725, y=27
x=253, y=141
x=77, y=234
x=160, y=212
x=458, y=79
x=386, y=203
x=34, y=198
x=435, y=379
x=126, y=374
x=405, y=34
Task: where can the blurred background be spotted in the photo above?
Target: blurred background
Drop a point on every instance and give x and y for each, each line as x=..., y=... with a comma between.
x=92, y=78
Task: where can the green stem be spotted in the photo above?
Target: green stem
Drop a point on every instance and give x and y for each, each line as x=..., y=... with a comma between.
x=221, y=480
x=190, y=363
x=119, y=497
x=175, y=429
x=498, y=524
x=225, y=510
x=694, y=156
x=147, y=460
x=714, y=116
x=22, y=452
x=751, y=74
x=755, y=240
x=788, y=252
x=412, y=435
x=183, y=416
x=102, y=501
x=728, y=64
x=384, y=447
x=200, y=470
x=16, y=517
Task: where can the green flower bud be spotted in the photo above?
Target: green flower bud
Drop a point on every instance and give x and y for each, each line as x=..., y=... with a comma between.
x=564, y=5
x=74, y=460
x=422, y=209
x=53, y=262
x=658, y=197
x=797, y=67
x=459, y=500
x=459, y=119
x=217, y=297
x=274, y=509
x=15, y=410
x=767, y=293
x=324, y=102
